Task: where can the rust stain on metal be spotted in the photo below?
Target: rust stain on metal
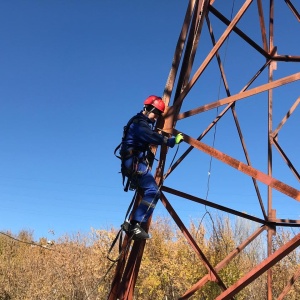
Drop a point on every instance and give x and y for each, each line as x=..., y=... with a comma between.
x=264, y=178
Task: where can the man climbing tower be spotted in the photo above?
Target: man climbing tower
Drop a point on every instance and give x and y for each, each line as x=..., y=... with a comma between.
x=138, y=135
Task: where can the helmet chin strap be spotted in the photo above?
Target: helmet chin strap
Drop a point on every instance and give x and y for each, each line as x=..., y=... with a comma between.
x=148, y=111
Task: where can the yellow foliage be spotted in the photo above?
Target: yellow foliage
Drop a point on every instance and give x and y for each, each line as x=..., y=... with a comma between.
x=74, y=266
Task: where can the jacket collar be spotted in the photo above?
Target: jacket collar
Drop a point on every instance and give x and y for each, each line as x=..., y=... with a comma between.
x=140, y=114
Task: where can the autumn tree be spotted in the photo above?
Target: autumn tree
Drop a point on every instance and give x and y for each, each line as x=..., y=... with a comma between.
x=76, y=267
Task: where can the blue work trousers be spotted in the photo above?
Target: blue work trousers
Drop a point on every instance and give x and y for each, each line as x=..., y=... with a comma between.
x=145, y=181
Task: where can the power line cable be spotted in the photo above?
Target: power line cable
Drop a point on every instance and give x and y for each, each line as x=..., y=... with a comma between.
x=25, y=242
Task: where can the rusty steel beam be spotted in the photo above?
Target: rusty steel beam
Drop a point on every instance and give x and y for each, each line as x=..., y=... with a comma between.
x=245, y=37
x=286, y=159
x=286, y=117
x=122, y=284
x=243, y=95
x=223, y=263
x=213, y=205
x=271, y=221
x=191, y=47
x=286, y=58
x=212, y=53
x=178, y=53
x=254, y=173
x=261, y=268
x=190, y=51
x=293, y=9
x=262, y=25
x=248, y=161
x=220, y=65
x=285, y=222
x=269, y=149
x=289, y=285
x=213, y=275
x=113, y=294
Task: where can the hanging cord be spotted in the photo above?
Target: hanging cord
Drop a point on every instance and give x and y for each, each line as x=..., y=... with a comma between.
x=213, y=145
x=119, y=234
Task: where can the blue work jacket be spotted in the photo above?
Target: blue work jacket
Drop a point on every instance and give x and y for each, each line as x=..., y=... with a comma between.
x=140, y=133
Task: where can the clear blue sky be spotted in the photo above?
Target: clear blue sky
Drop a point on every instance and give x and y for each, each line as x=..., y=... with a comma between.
x=71, y=74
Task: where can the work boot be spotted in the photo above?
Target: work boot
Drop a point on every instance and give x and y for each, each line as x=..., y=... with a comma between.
x=138, y=233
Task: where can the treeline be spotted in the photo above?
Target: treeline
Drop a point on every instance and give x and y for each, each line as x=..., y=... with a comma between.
x=77, y=268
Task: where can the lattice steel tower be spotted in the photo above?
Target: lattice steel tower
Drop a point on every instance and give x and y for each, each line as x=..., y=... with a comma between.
x=248, y=56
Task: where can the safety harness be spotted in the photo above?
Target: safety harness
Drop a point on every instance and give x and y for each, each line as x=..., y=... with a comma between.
x=132, y=173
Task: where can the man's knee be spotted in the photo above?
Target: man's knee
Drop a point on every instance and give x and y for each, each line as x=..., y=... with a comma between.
x=152, y=194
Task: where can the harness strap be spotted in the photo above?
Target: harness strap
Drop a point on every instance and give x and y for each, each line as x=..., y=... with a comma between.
x=129, y=153
x=117, y=148
x=119, y=234
x=149, y=204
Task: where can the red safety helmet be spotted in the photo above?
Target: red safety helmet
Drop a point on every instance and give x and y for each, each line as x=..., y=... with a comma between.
x=156, y=102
